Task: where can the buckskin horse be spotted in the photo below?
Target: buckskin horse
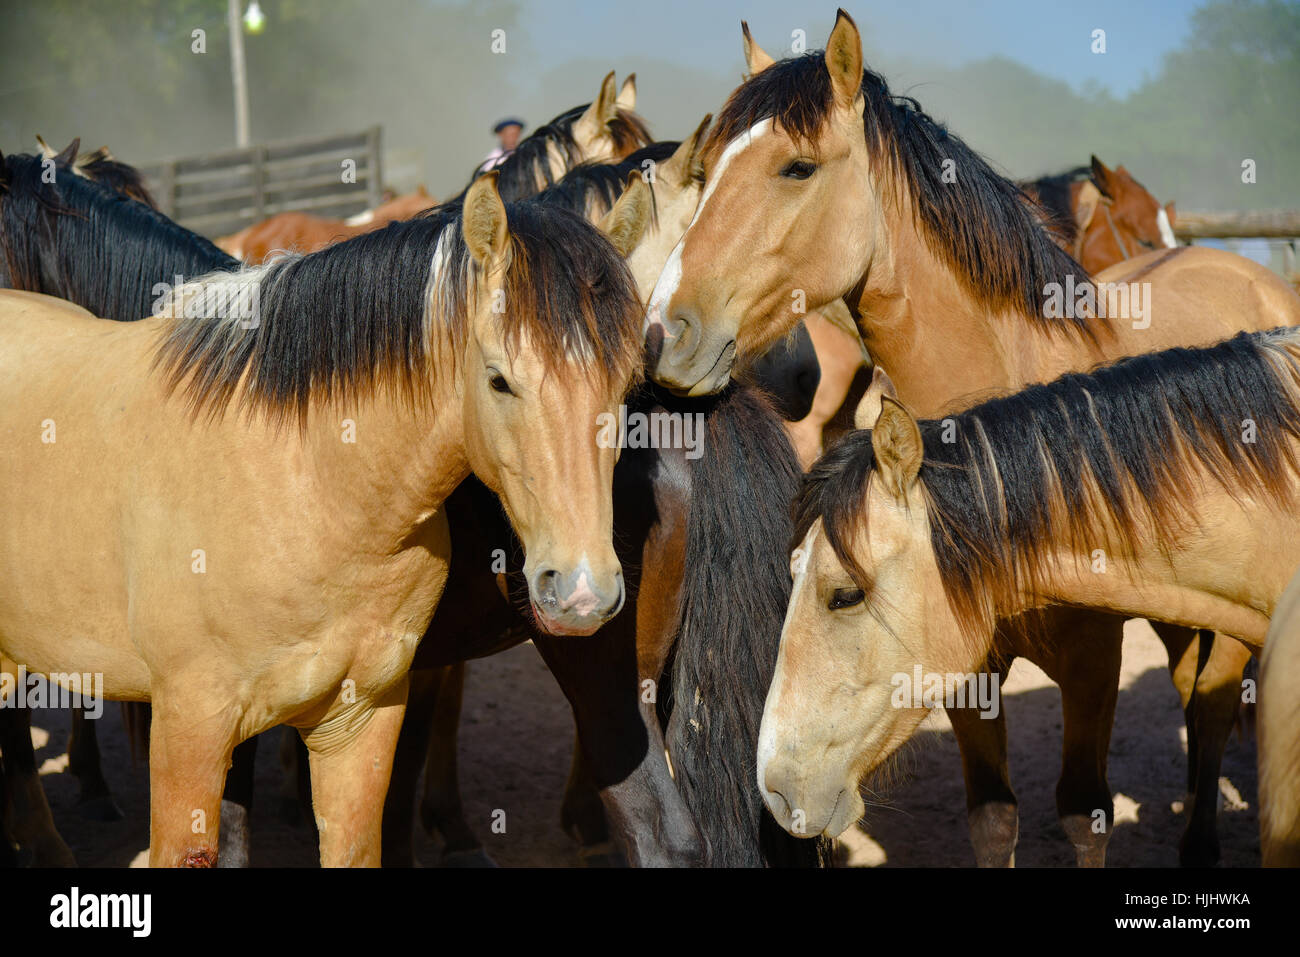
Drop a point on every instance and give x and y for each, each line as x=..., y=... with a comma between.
x=819, y=179
x=339, y=586
x=146, y=248
x=726, y=822
x=1177, y=469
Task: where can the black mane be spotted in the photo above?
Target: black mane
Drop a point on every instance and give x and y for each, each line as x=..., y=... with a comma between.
x=356, y=316
x=982, y=225
x=602, y=183
x=527, y=170
x=80, y=241
x=1123, y=447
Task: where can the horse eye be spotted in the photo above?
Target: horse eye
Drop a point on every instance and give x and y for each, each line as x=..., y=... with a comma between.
x=845, y=598
x=799, y=169
x=499, y=384
x=1147, y=243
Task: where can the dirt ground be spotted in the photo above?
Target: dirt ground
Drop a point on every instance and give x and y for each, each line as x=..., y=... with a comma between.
x=516, y=741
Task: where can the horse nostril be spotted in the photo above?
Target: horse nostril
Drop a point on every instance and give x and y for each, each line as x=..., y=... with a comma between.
x=544, y=586
x=684, y=328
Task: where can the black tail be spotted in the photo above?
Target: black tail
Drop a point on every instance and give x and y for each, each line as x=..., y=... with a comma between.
x=735, y=590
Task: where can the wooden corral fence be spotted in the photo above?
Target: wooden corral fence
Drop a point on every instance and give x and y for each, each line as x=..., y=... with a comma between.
x=221, y=193
x=1279, y=228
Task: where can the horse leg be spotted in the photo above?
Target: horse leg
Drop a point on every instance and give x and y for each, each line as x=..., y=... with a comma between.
x=623, y=745
x=351, y=759
x=189, y=751
x=582, y=815
x=991, y=808
x=441, y=809
x=29, y=819
x=95, y=799
x=1206, y=670
x=399, y=808
x=1084, y=660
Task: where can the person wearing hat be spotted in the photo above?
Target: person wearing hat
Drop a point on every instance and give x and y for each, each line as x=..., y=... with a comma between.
x=507, y=131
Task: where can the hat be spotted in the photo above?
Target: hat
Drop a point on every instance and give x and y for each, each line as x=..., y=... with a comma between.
x=508, y=121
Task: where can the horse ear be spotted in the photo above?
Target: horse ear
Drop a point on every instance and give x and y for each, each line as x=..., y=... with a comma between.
x=69, y=155
x=756, y=58
x=47, y=150
x=1169, y=211
x=844, y=59
x=626, y=221
x=868, y=410
x=626, y=99
x=483, y=221
x=896, y=440
x=686, y=161
x=421, y=190
x=1086, y=206
x=604, y=108
x=1102, y=177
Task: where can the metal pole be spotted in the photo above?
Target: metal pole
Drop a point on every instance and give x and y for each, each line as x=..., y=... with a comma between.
x=237, y=72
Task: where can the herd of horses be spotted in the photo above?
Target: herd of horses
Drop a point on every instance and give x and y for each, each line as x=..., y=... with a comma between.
x=305, y=485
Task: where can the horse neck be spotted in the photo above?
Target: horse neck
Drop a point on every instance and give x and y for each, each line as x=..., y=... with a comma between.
x=1214, y=579
x=388, y=461
x=939, y=344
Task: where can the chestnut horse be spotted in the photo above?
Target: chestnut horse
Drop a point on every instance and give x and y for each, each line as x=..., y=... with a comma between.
x=1279, y=735
x=1102, y=216
x=304, y=233
x=342, y=585
x=821, y=184
x=1162, y=485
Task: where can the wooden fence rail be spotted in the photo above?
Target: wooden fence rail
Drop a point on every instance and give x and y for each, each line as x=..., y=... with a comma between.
x=221, y=193
x=1264, y=224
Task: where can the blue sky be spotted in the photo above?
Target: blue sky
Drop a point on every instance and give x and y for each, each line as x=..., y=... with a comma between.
x=1050, y=36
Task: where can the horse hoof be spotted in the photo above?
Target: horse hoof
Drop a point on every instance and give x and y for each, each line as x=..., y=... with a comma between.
x=102, y=809
x=477, y=857
x=604, y=854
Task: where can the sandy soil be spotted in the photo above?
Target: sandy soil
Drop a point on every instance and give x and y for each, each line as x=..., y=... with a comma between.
x=516, y=740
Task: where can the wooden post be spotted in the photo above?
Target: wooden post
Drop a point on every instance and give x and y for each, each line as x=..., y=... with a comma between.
x=238, y=73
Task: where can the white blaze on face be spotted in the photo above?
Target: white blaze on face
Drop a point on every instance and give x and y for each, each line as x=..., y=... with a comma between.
x=671, y=276
x=1166, y=230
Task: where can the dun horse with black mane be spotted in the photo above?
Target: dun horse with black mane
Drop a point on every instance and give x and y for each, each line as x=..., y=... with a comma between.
x=237, y=561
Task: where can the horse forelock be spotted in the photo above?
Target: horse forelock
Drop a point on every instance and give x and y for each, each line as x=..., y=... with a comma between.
x=303, y=328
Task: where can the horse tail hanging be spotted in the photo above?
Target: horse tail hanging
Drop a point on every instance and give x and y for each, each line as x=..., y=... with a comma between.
x=734, y=593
